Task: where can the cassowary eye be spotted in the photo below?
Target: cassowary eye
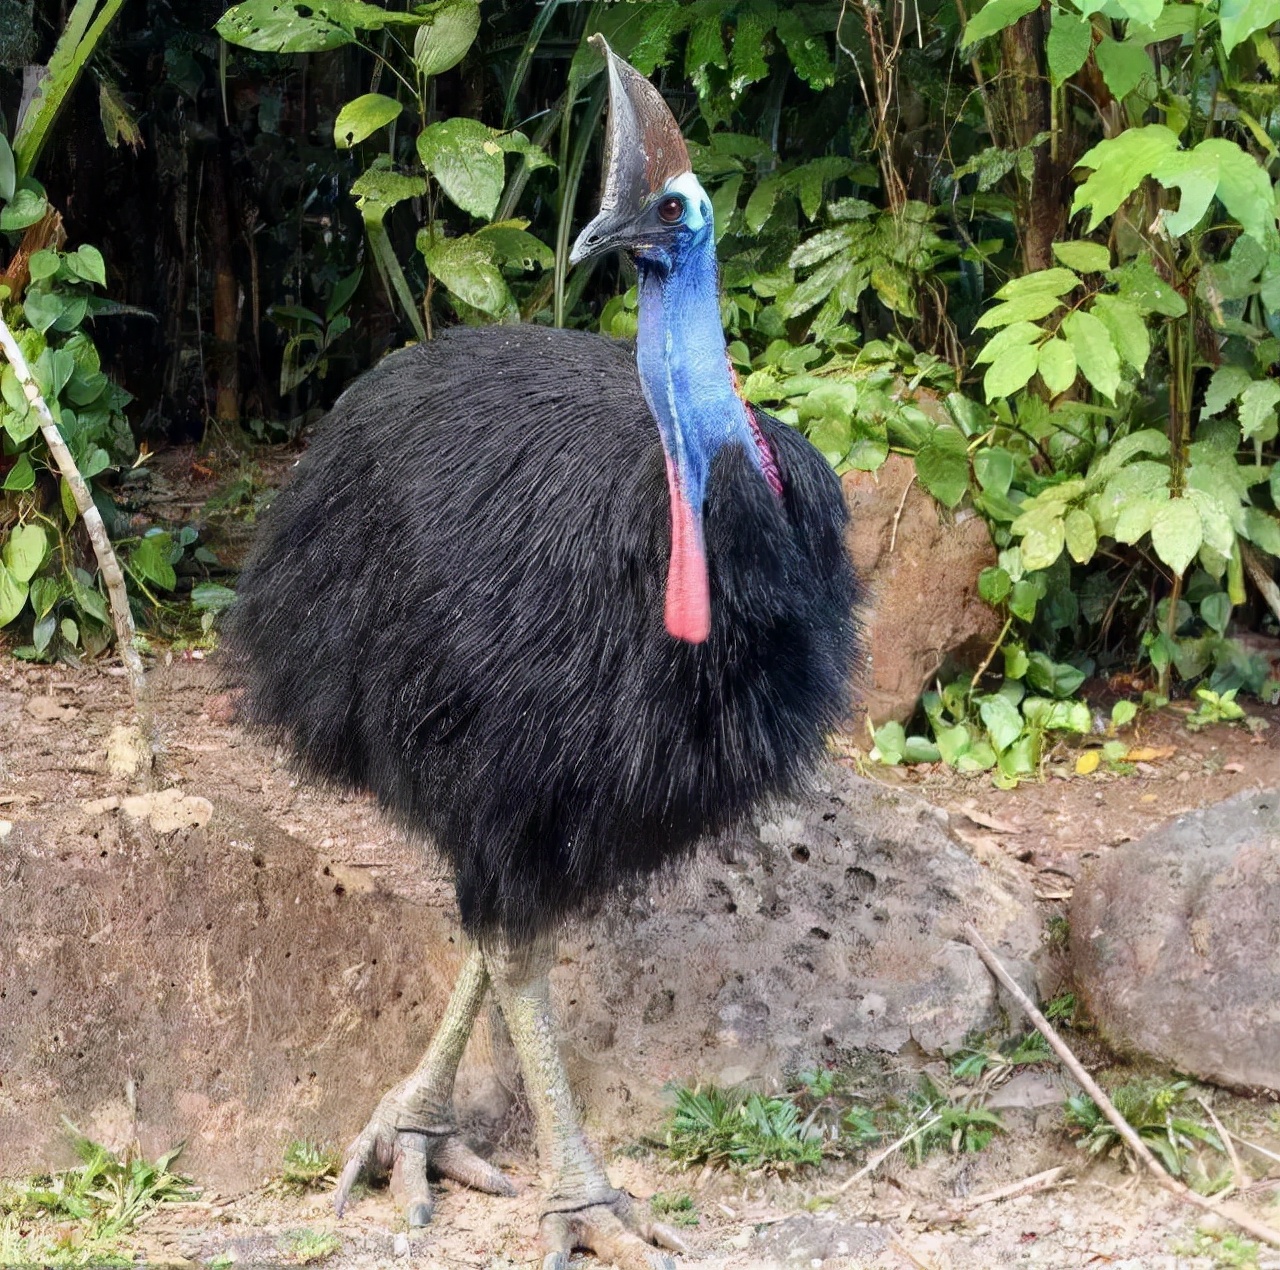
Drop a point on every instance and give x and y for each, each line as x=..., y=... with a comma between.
x=670, y=210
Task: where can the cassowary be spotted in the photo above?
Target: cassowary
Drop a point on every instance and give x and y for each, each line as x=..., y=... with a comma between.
x=558, y=640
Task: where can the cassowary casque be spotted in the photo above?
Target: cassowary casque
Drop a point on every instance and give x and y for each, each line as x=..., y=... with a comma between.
x=564, y=607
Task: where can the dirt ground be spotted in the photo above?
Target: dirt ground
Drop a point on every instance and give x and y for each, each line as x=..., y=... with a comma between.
x=56, y=724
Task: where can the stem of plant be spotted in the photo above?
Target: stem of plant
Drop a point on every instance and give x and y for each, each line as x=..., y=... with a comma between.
x=112, y=575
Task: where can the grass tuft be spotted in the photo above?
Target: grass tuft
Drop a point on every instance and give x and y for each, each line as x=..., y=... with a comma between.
x=729, y=1128
x=676, y=1208
x=305, y=1247
x=308, y=1166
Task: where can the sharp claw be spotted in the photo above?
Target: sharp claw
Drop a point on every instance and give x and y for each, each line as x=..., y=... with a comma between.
x=556, y=1261
x=350, y=1171
x=665, y=1237
x=457, y=1161
x=418, y=1214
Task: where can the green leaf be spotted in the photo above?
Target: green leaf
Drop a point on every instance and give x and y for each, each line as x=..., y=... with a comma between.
x=466, y=267
x=1043, y=534
x=1123, y=713
x=24, y=209
x=1120, y=164
x=1057, y=365
x=1262, y=529
x=442, y=43
x=44, y=264
x=24, y=551
x=8, y=170
x=1059, y=679
x=1083, y=256
x=211, y=597
x=304, y=26
x=42, y=309
x=1239, y=19
x=1065, y=716
x=1176, y=533
x=993, y=466
x=513, y=244
x=1067, y=49
x=1140, y=12
x=807, y=50
x=44, y=594
x=1042, y=282
x=1218, y=167
x=1123, y=65
x=1146, y=290
x=953, y=743
x=150, y=560
x=1215, y=609
x=464, y=157
x=920, y=749
x=890, y=743
x=13, y=595
x=1028, y=308
x=1258, y=409
x=942, y=464
x=993, y=17
x=87, y=263
x=1127, y=329
x=1002, y=720
x=21, y=476
x=363, y=117
x=1018, y=333
x=993, y=584
x=1095, y=351
x=514, y=142
x=1081, y=535
x=1010, y=371
x=90, y=602
x=378, y=189
x=1225, y=385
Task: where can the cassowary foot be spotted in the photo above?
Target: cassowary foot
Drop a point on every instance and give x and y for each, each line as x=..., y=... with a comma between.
x=613, y=1232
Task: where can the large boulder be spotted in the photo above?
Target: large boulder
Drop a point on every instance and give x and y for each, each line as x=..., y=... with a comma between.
x=206, y=974
x=919, y=564
x=1175, y=943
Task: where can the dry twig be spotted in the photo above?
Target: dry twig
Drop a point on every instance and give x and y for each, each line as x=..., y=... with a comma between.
x=876, y=1161
x=1231, y=1212
x=107, y=561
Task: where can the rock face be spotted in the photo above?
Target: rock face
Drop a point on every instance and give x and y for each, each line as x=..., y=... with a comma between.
x=223, y=984
x=1175, y=941
x=920, y=565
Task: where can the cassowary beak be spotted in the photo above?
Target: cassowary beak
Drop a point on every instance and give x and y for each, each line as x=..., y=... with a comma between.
x=644, y=149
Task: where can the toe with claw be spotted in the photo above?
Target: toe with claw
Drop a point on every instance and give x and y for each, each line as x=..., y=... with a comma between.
x=614, y=1232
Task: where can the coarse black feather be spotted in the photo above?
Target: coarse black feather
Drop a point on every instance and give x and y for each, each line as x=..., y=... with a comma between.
x=458, y=604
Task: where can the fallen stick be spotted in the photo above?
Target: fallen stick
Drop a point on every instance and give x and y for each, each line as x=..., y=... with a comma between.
x=1237, y=1168
x=112, y=575
x=1027, y=1186
x=1259, y=1230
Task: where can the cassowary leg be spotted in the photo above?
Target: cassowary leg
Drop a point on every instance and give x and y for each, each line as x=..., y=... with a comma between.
x=582, y=1209
x=412, y=1129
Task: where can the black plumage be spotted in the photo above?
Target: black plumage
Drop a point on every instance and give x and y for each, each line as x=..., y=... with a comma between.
x=458, y=604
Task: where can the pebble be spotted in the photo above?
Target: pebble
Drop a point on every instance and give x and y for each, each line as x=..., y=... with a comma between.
x=401, y=1245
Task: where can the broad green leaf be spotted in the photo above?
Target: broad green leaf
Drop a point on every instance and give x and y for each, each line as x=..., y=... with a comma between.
x=1123, y=713
x=211, y=597
x=1095, y=351
x=1064, y=716
x=1218, y=167
x=91, y=602
x=1010, y=371
x=761, y=202
x=12, y=391
x=21, y=476
x=1127, y=329
x=807, y=50
x=1083, y=256
x=993, y=467
x=13, y=595
x=24, y=551
x=1057, y=365
x=87, y=263
x=1067, y=48
x=1120, y=164
x=1123, y=65
x=993, y=584
x=1225, y=385
x=1215, y=609
x=1140, y=12
x=822, y=245
x=8, y=170
x=513, y=244
x=44, y=594
x=514, y=142
x=24, y=209
x=1238, y=19
x=890, y=743
x=377, y=190
x=831, y=437
x=993, y=17
x=748, y=62
x=953, y=743
x=1024, y=598
x=1052, y=282
x=1027, y=308
x=1018, y=333
x=1258, y=409
x=942, y=464
x=463, y=156
x=1146, y=290
x=363, y=117
x=1216, y=523
x=150, y=560
x=1043, y=535
x=1176, y=533
x=1119, y=454
x=1060, y=679
x=44, y=264
x=42, y=308
x=1081, y=535
x=1262, y=529
x=1002, y=719
x=920, y=749
x=304, y=26
x=442, y=43
x=466, y=267
x=1015, y=661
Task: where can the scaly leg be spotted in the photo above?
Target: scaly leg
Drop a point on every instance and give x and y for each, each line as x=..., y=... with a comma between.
x=412, y=1129
x=582, y=1210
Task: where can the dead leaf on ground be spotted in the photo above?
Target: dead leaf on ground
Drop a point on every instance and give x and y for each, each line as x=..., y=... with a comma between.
x=1150, y=753
x=169, y=809
x=989, y=822
x=48, y=709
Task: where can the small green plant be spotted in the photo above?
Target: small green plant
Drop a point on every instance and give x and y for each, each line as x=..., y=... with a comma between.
x=309, y=1166
x=1156, y=1110
x=221, y=1262
x=859, y=1127
x=1062, y=1009
x=306, y=1247
x=730, y=1128
x=975, y=1061
x=1214, y=708
x=77, y=1216
x=1224, y=1250
x=675, y=1207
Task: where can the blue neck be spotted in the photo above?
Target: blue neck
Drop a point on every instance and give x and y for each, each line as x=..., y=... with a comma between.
x=684, y=370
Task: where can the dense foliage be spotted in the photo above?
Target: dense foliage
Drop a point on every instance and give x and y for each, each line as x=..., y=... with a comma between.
x=1034, y=246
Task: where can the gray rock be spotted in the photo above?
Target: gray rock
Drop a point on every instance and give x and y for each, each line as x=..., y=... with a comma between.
x=1175, y=941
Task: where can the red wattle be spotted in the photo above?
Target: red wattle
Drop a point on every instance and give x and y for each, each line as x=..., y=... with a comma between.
x=688, y=606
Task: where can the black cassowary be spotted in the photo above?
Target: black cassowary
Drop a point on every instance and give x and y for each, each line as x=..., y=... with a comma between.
x=562, y=642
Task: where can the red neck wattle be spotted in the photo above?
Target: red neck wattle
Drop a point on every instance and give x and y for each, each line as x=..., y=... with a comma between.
x=688, y=605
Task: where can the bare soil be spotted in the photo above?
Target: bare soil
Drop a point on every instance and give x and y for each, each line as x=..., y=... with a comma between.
x=55, y=725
